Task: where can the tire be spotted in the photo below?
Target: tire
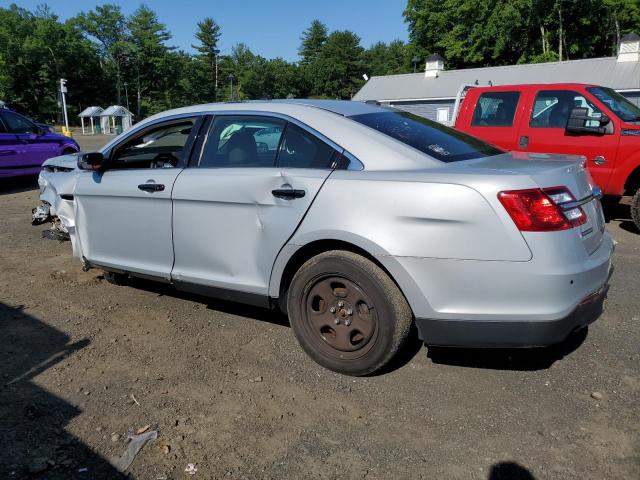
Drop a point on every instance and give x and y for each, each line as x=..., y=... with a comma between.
x=371, y=319
x=635, y=209
x=115, y=278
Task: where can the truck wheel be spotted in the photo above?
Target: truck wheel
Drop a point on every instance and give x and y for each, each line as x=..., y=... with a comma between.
x=635, y=209
x=347, y=314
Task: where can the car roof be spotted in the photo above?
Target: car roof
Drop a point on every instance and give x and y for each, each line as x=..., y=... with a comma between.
x=331, y=118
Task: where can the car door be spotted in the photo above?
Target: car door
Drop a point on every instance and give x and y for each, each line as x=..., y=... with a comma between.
x=10, y=152
x=123, y=214
x=239, y=203
x=32, y=151
x=545, y=132
x=495, y=117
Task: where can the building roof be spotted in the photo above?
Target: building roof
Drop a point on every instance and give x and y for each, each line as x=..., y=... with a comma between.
x=91, y=112
x=116, y=111
x=630, y=37
x=605, y=71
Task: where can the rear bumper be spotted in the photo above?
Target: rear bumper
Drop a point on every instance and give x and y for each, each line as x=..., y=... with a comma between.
x=511, y=334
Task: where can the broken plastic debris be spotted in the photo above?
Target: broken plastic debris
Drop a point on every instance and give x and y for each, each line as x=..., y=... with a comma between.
x=135, y=445
x=83, y=470
x=191, y=469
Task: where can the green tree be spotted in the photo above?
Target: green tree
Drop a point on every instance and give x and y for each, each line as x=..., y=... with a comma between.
x=472, y=33
x=107, y=25
x=386, y=59
x=148, y=53
x=338, y=69
x=208, y=35
x=312, y=40
x=36, y=50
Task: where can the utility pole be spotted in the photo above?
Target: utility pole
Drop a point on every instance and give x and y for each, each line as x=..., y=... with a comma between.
x=63, y=90
x=231, y=92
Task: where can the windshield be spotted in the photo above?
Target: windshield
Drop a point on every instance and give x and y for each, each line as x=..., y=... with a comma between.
x=619, y=105
x=436, y=140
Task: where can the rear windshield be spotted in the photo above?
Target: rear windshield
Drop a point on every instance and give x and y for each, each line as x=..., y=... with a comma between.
x=434, y=139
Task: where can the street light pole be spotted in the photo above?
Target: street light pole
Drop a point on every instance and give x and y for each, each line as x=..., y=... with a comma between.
x=63, y=90
x=215, y=91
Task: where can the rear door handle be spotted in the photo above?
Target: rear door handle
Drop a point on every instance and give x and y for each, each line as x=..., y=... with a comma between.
x=288, y=193
x=151, y=187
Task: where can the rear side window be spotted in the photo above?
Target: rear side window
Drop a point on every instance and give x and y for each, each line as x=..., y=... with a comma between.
x=300, y=149
x=495, y=109
x=434, y=139
x=242, y=141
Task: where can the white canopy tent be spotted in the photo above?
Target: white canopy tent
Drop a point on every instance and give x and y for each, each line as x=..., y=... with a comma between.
x=90, y=113
x=116, y=119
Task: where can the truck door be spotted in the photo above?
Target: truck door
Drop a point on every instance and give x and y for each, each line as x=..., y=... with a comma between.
x=495, y=116
x=544, y=131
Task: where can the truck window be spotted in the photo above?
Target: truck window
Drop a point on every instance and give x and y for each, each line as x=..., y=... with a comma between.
x=622, y=107
x=495, y=109
x=551, y=108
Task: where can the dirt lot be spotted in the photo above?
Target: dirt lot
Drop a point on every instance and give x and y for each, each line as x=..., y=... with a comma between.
x=84, y=362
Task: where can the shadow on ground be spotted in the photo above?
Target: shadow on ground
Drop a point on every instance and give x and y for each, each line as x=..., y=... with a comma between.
x=509, y=471
x=498, y=359
x=525, y=359
x=18, y=184
x=33, y=440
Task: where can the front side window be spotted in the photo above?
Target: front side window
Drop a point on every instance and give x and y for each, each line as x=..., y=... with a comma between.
x=551, y=109
x=300, y=149
x=161, y=147
x=434, y=139
x=619, y=105
x=17, y=124
x=495, y=109
x=242, y=141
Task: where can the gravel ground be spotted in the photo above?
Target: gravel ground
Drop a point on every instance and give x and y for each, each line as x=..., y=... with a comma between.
x=84, y=362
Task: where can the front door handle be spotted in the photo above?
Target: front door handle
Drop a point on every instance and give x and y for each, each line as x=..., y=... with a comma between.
x=523, y=142
x=288, y=193
x=151, y=187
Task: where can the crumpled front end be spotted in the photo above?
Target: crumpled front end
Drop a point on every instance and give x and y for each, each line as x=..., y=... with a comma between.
x=57, y=181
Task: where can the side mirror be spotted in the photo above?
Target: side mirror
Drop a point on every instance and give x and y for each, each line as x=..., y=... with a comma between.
x=580, y=123
x=91, y=161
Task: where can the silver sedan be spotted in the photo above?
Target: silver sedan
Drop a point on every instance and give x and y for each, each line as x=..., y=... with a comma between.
x=355, y=220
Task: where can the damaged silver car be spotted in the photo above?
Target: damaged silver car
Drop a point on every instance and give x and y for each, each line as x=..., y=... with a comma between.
x=355, y=220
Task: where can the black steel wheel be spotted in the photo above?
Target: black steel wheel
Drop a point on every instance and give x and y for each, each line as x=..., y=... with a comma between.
x=347, y=313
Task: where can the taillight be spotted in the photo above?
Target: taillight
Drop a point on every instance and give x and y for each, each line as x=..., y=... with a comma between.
x=537, y=210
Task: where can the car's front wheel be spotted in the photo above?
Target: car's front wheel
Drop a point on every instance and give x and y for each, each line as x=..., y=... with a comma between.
x=346, y=312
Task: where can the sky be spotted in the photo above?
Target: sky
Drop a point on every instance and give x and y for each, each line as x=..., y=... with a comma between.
x=270, y=28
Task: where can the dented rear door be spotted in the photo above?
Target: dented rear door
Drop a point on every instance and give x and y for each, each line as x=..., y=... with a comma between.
x=228, y=225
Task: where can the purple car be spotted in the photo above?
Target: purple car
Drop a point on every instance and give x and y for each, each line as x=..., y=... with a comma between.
x=25, y=145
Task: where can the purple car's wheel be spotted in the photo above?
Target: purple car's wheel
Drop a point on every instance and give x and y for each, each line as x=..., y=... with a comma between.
x=347, y=313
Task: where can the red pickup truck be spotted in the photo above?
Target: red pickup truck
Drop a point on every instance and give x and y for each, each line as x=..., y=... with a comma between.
x=587, y=120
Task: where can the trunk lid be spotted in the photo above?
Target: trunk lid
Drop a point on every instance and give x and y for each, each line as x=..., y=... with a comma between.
x=549, y=171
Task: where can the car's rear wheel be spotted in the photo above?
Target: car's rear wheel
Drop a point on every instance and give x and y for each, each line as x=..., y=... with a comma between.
x=635, y=209
x=346, y=312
